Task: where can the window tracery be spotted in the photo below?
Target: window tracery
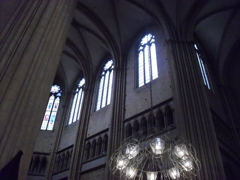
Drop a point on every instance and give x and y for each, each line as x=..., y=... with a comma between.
x=147, y=60
x=77, y=102
x=52, y=108
x=105, y=85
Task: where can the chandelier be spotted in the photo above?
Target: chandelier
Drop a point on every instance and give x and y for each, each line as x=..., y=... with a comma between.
x=156, y=155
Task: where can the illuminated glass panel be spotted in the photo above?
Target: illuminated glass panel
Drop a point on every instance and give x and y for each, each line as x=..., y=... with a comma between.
x=105, y=86
x=77, y=102
x=110, y=89
x=203, y=68
x=52, y=108
x=147, y=60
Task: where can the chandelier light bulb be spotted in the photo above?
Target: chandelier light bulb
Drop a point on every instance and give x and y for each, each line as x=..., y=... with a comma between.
x=122, y=162
x=151, y=175
x=132, y=150
x=180, y=151
x=157, y=146
x=187, y=164
x=174, y=173
x=131, y=172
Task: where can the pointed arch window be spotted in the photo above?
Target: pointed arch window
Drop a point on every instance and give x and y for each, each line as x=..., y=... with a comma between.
x=77, y=102
x=52, y=108
x=147, y=60
x=105, y=85
x=203, y=67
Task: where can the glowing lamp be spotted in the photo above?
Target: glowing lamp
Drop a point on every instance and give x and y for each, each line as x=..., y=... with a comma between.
x=187, y=164
x=174, y=173
x=131, y=172
x=132, y=150
x=122, y=162
x=181, y=151
x=157, y=146
x=151, y=175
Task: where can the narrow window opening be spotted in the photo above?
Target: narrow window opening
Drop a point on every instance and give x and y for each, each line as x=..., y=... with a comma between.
x=52, y=108
x=147, y=60
x=105, y=86
x=77, y=102
x=203, y=67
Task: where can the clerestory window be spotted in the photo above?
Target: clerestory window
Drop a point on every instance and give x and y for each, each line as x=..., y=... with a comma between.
x=52, y=108
x=77, y=102
x=105, y=85
x=147, y=60
x=203, y=67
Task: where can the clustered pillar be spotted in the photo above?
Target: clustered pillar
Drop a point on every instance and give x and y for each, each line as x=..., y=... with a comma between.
x=192, y=112
x=30, y=50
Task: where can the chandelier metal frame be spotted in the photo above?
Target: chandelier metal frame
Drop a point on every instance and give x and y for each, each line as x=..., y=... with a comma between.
x=148, y=156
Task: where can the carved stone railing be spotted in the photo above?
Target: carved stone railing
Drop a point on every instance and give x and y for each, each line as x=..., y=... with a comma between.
x=38, y=164
x=160, y=117
x=96, y=146
x=63, y=159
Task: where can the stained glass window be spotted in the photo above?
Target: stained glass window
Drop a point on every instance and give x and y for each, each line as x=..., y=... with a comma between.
x=52, y=108
x=147, y=60
x=203, y=67
x=77, y=102
x=105, y=86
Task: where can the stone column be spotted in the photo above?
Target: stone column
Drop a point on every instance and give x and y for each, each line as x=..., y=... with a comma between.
x=30, y=50
x=78, y=149
x=192, y=111
x=116, y=127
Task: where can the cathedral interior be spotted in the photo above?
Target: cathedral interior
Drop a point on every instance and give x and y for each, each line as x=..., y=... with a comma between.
x=80, y=76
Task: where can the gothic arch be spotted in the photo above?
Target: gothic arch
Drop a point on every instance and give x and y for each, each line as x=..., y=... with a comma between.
x=87, y=150
x=135, y=127
x=43, y=165
x=128, y=131
x=144, y=127
x=99, y=146
x=169, y=116
x=105, y=144
x=93, y=148
x=151, y=122
x=160, y=120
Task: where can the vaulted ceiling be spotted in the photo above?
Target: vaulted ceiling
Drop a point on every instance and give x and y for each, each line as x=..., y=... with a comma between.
x=107, y=27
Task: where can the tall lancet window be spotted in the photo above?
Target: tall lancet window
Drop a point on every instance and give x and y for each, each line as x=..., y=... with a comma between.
x=77, y=102
x=147, y=60
x=52, y=108
x=203, y=67
x=105, y=85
